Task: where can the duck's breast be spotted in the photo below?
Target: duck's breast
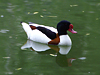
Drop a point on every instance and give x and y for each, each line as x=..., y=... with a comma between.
x=65, y=40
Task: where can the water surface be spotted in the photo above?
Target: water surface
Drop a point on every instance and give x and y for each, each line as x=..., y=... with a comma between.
x=83, y=14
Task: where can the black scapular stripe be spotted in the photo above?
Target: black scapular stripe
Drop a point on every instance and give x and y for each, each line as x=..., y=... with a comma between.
x=47, y=32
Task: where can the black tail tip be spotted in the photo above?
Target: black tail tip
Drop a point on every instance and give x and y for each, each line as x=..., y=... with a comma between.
x=21, y=22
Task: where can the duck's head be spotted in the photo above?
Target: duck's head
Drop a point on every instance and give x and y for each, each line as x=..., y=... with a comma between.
x=63, y=26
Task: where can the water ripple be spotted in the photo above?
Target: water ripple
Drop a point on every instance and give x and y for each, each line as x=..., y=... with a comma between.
x=82, y=58
x=4, y=31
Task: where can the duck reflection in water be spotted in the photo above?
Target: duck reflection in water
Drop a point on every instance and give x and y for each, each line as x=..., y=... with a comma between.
x=59, y=52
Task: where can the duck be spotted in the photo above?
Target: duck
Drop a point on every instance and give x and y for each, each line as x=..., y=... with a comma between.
x=49, y=35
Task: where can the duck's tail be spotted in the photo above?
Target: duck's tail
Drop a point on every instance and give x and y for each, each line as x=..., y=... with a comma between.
x=27, y=28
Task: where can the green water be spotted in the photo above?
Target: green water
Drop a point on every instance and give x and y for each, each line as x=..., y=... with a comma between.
x=83, y=14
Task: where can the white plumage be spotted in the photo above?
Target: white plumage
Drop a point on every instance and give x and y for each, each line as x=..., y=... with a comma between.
x=38, y=36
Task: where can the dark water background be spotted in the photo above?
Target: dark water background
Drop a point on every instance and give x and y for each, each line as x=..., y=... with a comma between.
x=83, y=14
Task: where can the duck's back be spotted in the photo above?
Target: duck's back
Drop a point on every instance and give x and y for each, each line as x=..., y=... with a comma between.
x=42, y=34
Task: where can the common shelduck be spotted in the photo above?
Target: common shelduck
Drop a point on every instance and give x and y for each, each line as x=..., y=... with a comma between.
x=49, y=35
